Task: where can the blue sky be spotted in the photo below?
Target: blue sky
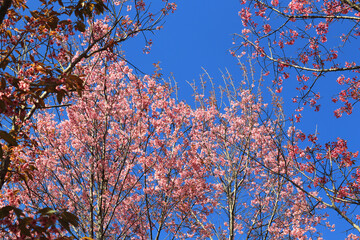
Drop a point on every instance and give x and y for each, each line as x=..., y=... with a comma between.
x=199, y=35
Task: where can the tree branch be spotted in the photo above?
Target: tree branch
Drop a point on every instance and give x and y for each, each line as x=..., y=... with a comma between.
x=352, y=5
x=319, y=70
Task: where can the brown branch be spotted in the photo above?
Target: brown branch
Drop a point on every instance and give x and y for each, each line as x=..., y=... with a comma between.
x=351, y=4
x=319, y=70
x=5, y=163
x=312, y=16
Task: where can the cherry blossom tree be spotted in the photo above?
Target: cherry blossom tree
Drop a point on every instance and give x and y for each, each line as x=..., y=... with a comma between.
x=42, y=44
x=40, y=50
x=309, y=42
x=132, y=162
x=255, y=173
x=122, y=161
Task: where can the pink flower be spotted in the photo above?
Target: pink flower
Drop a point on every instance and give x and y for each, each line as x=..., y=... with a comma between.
x=275, y=2
x=245, y=16
x=267, y=28
x=323, y=39
x=25, y=86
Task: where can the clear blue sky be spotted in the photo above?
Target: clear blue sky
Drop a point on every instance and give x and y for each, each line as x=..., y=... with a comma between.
x=199, y=34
